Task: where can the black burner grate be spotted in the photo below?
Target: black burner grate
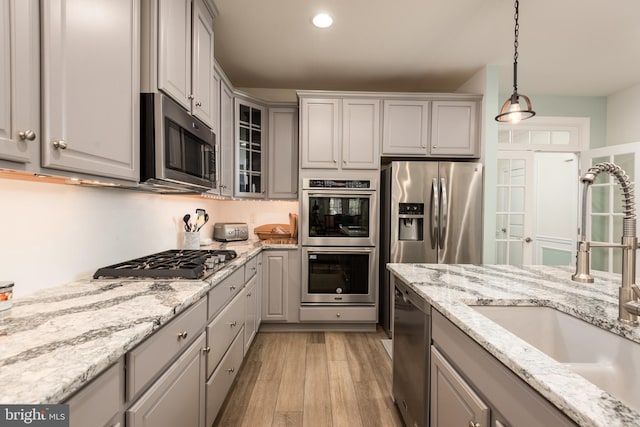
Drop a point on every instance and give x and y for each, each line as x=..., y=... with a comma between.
x=179, y=264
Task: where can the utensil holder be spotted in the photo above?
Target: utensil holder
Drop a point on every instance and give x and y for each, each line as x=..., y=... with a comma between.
x=191, y=240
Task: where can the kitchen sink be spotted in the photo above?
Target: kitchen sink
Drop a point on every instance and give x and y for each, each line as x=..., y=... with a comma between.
x=607, y=360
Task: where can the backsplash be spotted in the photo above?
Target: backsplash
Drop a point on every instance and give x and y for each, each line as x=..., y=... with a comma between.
x=52, y=234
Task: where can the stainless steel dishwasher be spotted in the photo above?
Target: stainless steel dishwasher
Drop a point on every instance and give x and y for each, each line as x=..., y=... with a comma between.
x=411, y=340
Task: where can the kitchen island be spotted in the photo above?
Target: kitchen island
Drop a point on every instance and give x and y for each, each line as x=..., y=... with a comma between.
x=452, y=289
x=55, y=341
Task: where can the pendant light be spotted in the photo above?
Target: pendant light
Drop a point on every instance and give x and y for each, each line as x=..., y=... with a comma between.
x=513, y=111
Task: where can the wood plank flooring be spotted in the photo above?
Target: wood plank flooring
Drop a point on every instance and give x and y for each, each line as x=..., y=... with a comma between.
x=323, y=379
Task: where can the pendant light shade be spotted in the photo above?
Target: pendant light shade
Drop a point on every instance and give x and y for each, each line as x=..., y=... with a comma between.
x=517, y=107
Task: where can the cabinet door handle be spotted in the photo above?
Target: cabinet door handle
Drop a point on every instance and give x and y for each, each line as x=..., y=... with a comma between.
x=27, y=134
x=249, y=294
x=207, y=349
x=198, y=104
x=231, y=370
x=182, y=335
x=338, y=315
x=473, y=424
x=232, y=288
x=62, y=145
x=233, y=324
x=190, y=96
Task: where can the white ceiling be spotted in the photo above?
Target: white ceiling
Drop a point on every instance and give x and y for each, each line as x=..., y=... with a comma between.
x=567, y=47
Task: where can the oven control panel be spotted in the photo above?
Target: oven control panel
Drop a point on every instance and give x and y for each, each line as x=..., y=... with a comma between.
x=345, y=184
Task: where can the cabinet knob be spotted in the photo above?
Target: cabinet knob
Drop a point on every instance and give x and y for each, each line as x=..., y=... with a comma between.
x=190, y=96
x=62, y=145
x=338, y=315
x=207, y=349
x=198, y=104
x=231, y=370
x=233, y=324
x=249, y=294
x=182, y=335
x=473, y=424
x=27, y=134
x=232, y=288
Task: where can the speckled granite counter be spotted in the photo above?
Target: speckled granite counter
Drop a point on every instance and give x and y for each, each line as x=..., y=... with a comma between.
x=54, y=341
x=450, y=288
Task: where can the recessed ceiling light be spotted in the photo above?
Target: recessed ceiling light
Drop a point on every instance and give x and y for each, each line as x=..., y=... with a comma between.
x=322, y=20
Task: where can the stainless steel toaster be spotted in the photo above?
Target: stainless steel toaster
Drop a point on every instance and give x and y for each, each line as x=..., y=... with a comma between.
x=230, y=231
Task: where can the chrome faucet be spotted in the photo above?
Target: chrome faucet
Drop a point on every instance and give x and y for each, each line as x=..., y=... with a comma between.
x=629, y=306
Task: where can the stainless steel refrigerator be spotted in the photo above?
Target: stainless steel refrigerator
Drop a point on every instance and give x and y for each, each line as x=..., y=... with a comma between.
x=430, y=212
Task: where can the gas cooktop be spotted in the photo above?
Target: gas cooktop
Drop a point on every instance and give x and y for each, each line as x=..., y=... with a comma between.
x=171, y=264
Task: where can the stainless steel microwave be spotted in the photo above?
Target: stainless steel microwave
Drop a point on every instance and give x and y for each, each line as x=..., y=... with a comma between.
x=178, y=151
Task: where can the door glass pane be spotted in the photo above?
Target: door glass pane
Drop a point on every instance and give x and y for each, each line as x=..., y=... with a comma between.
x=517, y=199
x=600, y=259
x=503, y=171
x=504, y=137
x=617, y=230
x=501, y=226
x=560, y=138
x=600, y=228
x=517, y=172
x=501, y=252
x=520, y=136
x=626, y=162
x=244, y=113
x=552, y=256
x=599, y=199
x=540, y=137
x=502, y=198
x=516, y=229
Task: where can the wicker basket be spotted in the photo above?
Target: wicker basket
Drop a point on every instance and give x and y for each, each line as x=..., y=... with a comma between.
x=270, y=231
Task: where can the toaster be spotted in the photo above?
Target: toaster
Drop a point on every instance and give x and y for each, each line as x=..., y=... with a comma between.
x=230, y=231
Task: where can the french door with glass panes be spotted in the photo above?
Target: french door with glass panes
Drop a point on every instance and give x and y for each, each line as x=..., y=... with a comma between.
x=514, y=207
x=604, y=204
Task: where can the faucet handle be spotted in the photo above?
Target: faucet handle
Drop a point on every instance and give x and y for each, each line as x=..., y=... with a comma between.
x=582, y=274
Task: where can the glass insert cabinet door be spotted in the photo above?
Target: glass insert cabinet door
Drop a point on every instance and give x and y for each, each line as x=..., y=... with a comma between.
x=250, y=149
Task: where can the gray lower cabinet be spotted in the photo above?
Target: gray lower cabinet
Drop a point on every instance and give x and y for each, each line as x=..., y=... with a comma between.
x=220, y=382
x=469, y=384
x=276, y=281
x=222, y=331
x=178, y=397
x=453, y=401
x=251, y=312
x=98, y=404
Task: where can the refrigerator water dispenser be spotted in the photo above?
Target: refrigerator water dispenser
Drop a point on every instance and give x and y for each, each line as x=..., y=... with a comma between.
x=411, y=221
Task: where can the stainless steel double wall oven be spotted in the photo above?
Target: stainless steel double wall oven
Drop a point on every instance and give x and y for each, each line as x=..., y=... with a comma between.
x=339, y=225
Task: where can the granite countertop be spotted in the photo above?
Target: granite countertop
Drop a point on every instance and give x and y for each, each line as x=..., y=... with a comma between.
x=451, y=288
x=54, y=341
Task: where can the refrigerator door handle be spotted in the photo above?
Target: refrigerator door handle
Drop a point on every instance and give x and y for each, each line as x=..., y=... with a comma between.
x=444, y=209
x=435, y=211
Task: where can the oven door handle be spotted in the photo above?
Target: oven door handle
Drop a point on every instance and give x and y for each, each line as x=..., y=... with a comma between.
x=351, y=250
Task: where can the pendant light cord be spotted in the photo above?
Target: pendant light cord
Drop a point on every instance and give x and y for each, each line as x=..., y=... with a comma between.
x=515, y=48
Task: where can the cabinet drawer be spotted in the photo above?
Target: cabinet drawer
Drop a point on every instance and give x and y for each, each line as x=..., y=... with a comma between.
x=147, y=360
x=222, y=378
x=250, y=268
x=224, y=291
x=97, y=403
x=177, y=398
x=338, y=314
x=222, y=331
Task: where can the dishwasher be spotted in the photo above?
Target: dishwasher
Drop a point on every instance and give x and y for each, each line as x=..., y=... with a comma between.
x=411, y=341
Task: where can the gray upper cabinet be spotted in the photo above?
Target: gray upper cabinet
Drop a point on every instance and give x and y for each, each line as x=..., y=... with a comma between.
x=226, y=166
x=250, y=151
x=405, y=127
x=283, y=153
x=177, y=57
x=319, y=133
x=90, y=87
x=19, y=82
x=454, y=129
x=340, y=133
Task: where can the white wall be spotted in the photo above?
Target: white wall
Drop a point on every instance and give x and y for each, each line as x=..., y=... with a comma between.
x=51, y=234
x=623, y=112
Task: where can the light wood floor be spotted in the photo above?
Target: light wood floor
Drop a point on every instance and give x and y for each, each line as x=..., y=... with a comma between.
x=319, y=379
